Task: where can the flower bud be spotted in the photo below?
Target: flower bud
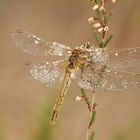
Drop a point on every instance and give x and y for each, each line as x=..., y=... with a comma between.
x=100, y=29
x=106, y=28
x=78, y=98
x=114, y=1
x=101, y=8
x=97, y=25
x=95, y=7
x=90, y=20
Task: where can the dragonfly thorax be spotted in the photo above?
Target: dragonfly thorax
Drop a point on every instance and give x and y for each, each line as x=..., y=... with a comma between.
x=77, y=58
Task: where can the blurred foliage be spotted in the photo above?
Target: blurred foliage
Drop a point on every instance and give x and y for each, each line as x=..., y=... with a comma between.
x=131, y=133
x=0, y=133
x=92, y=136
x=45, y=129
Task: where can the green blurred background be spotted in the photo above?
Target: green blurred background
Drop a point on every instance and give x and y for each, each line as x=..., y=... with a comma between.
x=25, y=104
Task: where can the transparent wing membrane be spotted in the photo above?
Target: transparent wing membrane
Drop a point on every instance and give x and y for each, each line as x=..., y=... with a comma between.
x=89, y=76
x=125, y=59
x=117, y=81
x=120, y=63
x=37, y=46
x=112, y=80
x=48, y=73
x=99, y=55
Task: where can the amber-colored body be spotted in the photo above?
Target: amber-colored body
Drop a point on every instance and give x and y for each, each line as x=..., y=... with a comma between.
x=75, y=60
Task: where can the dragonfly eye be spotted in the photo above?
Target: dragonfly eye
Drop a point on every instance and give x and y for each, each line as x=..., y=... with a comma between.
x=87, y=45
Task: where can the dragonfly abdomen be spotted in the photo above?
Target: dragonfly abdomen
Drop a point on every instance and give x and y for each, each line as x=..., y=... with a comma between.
x=60, y=97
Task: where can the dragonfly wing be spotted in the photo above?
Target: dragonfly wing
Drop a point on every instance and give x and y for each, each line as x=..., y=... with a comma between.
x=86, y=82
x=37, y=46
x=117, y=77
x=125, y=59
x=110, y=80
x=87, y=78
x=117, y=81
x=48, y=73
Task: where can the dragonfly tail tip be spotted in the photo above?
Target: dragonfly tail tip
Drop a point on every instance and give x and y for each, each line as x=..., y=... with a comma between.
x=52, y=122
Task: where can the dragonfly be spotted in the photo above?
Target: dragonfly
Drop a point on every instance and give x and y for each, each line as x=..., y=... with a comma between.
x=88, y=66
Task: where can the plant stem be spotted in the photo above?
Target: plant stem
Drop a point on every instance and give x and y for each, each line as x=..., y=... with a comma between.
x=100, y=24
x=93, y=105
x=103, y=2
x=86, y=99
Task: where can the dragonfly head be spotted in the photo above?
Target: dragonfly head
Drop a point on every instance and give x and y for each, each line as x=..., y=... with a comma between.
x=87, y=46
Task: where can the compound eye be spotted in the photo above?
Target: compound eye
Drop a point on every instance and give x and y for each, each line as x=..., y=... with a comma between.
x=87, y=46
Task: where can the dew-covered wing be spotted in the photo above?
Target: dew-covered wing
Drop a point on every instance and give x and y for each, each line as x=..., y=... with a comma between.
x=119, y=75
x=125, y=59
x=89, y=76
x=48, y=73
x=119, y=80
x=99, y=55
x=87, y=82
x=110, y=80
x=37, y=46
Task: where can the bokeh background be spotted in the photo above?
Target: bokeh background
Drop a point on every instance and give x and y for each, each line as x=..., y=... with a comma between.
x=25, y=104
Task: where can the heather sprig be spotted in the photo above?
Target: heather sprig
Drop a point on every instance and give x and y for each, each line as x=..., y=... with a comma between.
x=100, y=22
x=102, y=37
